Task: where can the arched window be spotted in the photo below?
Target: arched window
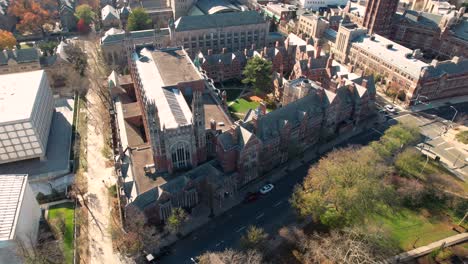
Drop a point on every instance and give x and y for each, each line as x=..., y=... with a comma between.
x=180, y=154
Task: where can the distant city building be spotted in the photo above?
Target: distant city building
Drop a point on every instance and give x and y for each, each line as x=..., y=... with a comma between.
x=19, y=217
x=378, y=16
x=169, y=88
x=437, y=35
x=316, y=5
x=19, y=60
x=279, y=11
x=27, y=105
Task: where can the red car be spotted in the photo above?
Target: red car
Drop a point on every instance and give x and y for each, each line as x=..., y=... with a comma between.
x=251, y=197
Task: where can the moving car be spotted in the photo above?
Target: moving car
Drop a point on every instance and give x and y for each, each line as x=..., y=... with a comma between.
x=267, y=188
x=390, y=108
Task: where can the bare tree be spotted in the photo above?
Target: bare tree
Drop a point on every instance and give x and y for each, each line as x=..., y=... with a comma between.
x=230, y=256
x=43, y=251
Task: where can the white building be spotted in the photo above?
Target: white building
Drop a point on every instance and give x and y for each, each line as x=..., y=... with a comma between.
x=26, y=107
x=316, y=4
x=19, y=216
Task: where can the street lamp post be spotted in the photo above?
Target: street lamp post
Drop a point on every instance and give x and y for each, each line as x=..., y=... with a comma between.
x=456, y=112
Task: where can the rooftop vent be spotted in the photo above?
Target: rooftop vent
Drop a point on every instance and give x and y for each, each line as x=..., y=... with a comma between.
x=389, y=46
x=372, y=38
x=408, y=55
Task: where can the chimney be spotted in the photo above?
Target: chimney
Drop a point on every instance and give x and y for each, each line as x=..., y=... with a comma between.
x=456, y=59
x=277, y=44
x=330, y=61
x=263, y=108
x=309, y=62
x=5, y=53
x=435, y=63
x=265, y=51
x=224, y=50
x=307, y=40
x=210, y=52
x=364, y=83
x=14, y=52
x=213, y=124
x=318, y=50
x=246, y=52
x=253, y=47
x=233, y=132
x=224, y=96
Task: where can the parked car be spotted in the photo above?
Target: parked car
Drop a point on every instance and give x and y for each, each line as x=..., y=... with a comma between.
x=266, y=188
x=390, y=108
x=251, y=197
x=195, y=260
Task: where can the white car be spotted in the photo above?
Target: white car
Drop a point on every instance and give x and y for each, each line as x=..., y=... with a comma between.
x=390, y=108
x=267, y=188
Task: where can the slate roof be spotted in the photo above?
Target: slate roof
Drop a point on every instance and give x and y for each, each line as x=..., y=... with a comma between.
x=210, y=7
x=20, y=55
x=461, y=30
x=187, y=23
x=448, y=67
x=119, y=37
x=425, y=19
x=270, y=125
x=108, y=13
x=147, y=198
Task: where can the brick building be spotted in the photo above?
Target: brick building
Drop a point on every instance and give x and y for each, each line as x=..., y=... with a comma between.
x=441, y=36
x=262, y=141
x=378, y=16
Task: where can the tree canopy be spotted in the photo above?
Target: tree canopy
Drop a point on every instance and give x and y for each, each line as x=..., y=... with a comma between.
x=176, y=219
x=33, y=15
x=257, y=72
x=254, y=238
x=232, y=257
x=7, y=40
x=48, y=47
x=139, y=20
x=86, y=13
x=343, y=188
x=396, y=138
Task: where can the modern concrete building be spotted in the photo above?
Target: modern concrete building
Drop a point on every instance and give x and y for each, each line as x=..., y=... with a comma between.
x=26, y=107
x=19, y=216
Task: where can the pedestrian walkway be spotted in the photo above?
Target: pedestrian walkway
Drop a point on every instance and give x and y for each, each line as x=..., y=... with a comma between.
x=424, y=250
x=439, y=103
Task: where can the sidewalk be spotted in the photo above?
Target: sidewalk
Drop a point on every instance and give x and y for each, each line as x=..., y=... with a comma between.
x=439, y=103
x=424, y=250
x=273, y=176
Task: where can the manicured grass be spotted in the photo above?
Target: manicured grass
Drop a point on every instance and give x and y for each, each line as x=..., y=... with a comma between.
x=242, y=106
x=406, y=226
x=462, y=137
x=66, y=211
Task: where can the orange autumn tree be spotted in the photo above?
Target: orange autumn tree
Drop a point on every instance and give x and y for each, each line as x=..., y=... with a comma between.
x=7, y=40
x=32, y=14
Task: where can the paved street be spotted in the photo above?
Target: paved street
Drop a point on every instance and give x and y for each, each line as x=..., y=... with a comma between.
x=270, y=212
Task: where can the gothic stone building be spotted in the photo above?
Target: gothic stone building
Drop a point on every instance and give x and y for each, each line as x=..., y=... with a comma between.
x=262, y=141
x=169, y=89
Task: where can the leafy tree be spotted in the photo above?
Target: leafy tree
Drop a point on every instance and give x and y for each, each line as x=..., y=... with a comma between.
x=257, y=72
x=255, y=238
x=82, y=27
x=86, y=13
x=7, y=40
x=396, y=138
x=343, y=188
x=176, y=219
x=32, y=14
x=48, y=47
x=139, y=20
x=409, y=163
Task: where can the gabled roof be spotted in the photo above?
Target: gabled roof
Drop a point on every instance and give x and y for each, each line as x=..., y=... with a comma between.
x=244, y=136
x=187, y=23
x=147, y=198
x=109, y=13
x=19, y=55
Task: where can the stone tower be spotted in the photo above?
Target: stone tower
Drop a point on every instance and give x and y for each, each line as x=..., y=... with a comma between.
x=198, y=112
x=378, y=16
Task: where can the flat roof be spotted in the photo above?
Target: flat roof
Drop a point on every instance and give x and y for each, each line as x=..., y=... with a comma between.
x=160, y=71
x=396, y=55
x=11, y=196
x=17, y=94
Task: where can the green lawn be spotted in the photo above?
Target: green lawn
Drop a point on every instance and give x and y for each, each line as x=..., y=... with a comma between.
x=462, y=137
x=406, y=226
x=242, y=106
x=66, y=211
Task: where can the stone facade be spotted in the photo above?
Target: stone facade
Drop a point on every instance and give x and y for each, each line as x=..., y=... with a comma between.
x=443, y=36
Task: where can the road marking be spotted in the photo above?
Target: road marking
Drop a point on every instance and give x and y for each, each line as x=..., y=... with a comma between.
x=259, y=216
x=435, y=138
x=277, y=204
x=377, y=131
x=450, y=148
x=240, y=229
x=441, y=143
